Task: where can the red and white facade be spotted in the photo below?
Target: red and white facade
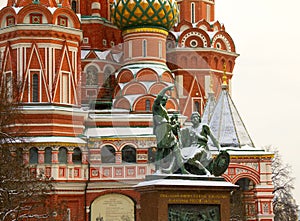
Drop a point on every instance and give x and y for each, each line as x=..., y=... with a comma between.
x=87, y=90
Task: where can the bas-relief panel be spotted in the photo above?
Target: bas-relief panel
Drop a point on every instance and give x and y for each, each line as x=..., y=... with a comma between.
x=112, y=207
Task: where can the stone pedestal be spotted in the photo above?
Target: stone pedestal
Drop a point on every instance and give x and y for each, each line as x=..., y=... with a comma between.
x=184, y=197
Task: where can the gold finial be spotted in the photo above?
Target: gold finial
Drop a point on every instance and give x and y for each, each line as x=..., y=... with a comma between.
x=224, y=77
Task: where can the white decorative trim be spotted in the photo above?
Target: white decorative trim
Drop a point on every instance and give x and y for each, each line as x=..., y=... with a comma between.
x=224, y=39
x=194, y=33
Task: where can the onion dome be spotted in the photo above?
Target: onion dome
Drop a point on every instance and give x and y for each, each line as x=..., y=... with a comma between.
x=132, y=14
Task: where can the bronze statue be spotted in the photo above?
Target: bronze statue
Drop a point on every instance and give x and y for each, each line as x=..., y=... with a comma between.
x=163, y=128
x=186, y=148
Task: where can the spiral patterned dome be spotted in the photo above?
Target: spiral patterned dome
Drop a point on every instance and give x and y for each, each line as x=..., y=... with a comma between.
x=129, y=14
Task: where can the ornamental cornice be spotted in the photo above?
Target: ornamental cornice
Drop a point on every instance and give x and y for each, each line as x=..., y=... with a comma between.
x=102, y=140
x=214, y=50
x=148, y=29
x=39, y=32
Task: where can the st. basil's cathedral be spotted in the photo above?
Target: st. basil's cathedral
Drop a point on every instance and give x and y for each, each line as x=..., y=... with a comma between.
x=88, y=72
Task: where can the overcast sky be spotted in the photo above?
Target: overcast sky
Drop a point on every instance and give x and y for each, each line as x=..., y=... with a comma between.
x=265, y=86
x=266, y=82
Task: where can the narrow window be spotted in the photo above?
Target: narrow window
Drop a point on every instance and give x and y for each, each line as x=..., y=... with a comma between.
x=144, y=48
x=74, y=6
x=196, y=106
x=33, y=155
x=35, y=88
x=192, y=12
x=77, y=156
x=68, y=214
x=48, y=155
x=151, y=154
x=62, y=155
x=130, y=49
x=148, y=105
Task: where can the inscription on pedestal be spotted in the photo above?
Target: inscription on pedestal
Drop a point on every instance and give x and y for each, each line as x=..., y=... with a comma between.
x=193, y=198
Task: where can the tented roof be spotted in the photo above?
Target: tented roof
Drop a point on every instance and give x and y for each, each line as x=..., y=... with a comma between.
x=226, y=124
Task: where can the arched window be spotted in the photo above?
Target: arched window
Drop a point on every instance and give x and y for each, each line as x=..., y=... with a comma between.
x=91, y=76
x=35, y=88
x=10, y=20
x=151, y=154
x=108, y=154
x=33, y=155
x=160, y=49
x=77, y=156
x=144, y=48
x=74, y=6
x=62, y=155
x=48, y=155
x=192, y=12
x=129, y=154
x=148, y=105
x=245, y=184
x=196, y=106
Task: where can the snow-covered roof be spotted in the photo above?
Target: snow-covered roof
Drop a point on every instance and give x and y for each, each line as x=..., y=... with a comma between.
x=54, y=139
x=185, y=182
x=135, y=68
x=226, y=124
x=102, y=55
x=17, y=9
x=117, y=56
x=119, y=132
x=84, y=53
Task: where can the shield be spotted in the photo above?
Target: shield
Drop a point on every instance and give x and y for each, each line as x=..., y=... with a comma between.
x=221, y=163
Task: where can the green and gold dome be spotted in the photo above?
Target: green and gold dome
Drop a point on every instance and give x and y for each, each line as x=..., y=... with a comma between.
x=133, y=14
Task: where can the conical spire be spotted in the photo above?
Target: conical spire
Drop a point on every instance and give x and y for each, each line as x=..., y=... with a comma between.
x=225, y=122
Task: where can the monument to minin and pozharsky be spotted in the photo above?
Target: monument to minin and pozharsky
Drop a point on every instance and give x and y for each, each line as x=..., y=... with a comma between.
x=187, y=183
